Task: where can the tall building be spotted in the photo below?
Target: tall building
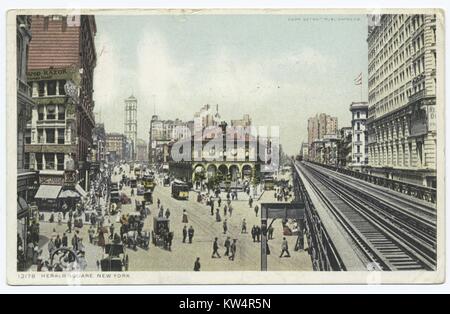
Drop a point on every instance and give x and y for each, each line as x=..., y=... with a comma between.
x=360, y=156
x=131, y=123
x=402, y=98
x=244, y=122
x=318, y=127
x=61, y=62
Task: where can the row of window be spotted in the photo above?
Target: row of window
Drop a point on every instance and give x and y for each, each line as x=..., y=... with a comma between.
x=54, y=87
x=46, y=161
x=52, y=112
x=47, y=136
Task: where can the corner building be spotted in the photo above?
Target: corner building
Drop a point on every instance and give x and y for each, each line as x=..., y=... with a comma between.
x=402, y=98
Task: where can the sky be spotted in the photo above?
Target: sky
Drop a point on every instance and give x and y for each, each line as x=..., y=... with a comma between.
x=280, y=69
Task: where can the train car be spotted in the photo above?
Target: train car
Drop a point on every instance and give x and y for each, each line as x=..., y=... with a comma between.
x=180, y=190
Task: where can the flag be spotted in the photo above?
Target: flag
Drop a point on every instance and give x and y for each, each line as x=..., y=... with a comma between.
x=358, y=80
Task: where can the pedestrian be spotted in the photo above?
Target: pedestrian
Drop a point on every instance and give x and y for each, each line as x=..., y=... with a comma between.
x=185, y=232
x=58, y=242
x=185, y=217
x=218, y=218
x=244, y=226
x=169, y=241
x=284, y=248
x=101, y=238
x=167, y=213
x=270, y=233
x=161, y=212
x=191, y=234
x=258, y=233
x=250, y=202
x=225, y=227
x=158, y=202
x=51, y=247
x=225, y=210
x=60, y=218
x=91, y=233
x=233, y=250
x=256, y=210
x=75, y=242
x=197, y=264
x=64, y=240
x=111, y=231
x=253, y=232
x=211, y=204
x=215, y=249
x=230, y=210
x=69, y=225
x=227, y=246
x=219, y=201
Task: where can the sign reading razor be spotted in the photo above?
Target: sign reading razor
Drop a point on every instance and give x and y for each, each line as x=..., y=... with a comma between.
x=246, y=144
x=50, y=74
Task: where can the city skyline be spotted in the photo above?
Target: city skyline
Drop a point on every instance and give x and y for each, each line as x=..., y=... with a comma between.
x=274, y=62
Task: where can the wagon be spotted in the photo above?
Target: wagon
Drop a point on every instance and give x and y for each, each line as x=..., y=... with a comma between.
x=160, y=231
x=114, y=258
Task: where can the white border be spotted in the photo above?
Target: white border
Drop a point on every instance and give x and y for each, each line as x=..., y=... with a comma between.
x=8, y=4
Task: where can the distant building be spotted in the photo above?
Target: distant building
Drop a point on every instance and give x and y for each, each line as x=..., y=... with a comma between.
x=360, y=157
x=141, y=151
x=402, y=98
x=244, y=122
x=130, y=127
x=163, y=132
x=345, y=147
x=115, y=146
x=304, y=151
x=99, y=143
x=318, y=127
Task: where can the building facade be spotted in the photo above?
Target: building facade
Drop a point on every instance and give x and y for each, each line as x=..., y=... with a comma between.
x=360, y=156
x=318, y=127
x=99, y=143
x=61, y=62
x=163, y=132
x=402, y=98
x=141, y=151
x=115, y=146
x=345, y=147
x=130, y=127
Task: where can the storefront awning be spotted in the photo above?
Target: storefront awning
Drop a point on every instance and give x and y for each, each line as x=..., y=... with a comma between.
x=80, y=190
x=69, y=194
x=22, y=207
x=48, y=192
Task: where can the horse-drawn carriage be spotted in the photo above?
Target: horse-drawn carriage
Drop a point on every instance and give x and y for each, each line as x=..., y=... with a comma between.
x=114, y=258
x=135, y=236
x=161, y=234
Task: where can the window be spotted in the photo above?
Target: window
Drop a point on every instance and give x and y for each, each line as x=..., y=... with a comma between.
x=61, y=113
x=41, y=89
x=49, y=161
x=60, y=136
x=357, y=115
x=27, y=161
x=50, y=136
x=358, y=137
x=39, y=161
x=61, y=87
x=51, y=112
x=358, y=149
x=358, y=126
x=51, y=88
x=28, y=136
x=60, y=158
x=40, y=136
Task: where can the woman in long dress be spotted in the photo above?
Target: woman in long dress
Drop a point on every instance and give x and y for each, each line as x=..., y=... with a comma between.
x=185, y=217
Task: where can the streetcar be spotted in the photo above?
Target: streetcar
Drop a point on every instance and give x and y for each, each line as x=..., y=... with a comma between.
x=269, y=183
x=180, y=190
x=148, y=180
